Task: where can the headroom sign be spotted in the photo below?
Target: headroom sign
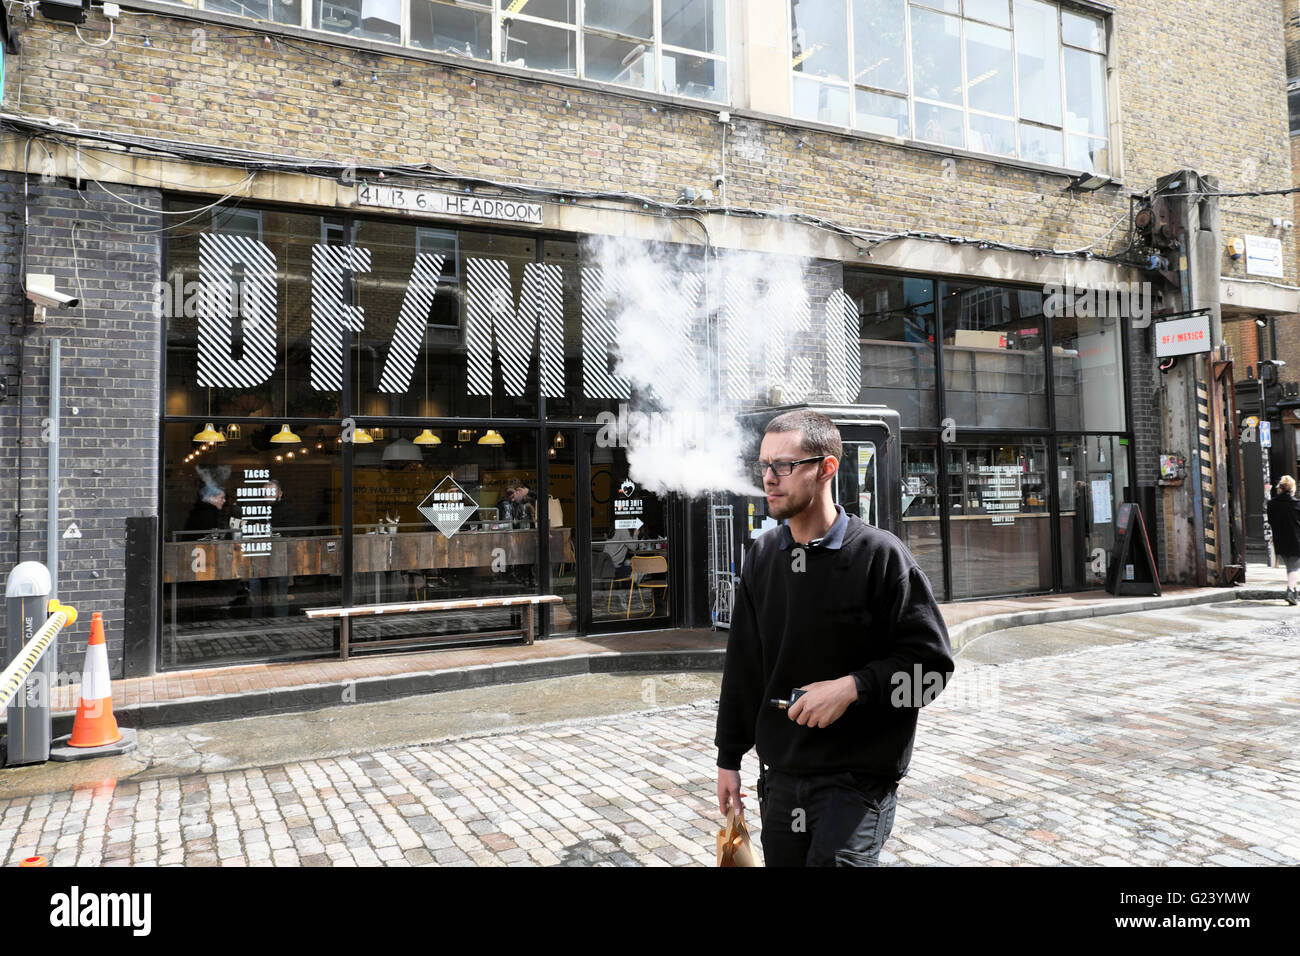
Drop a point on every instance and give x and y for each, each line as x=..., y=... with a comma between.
x=449, y=204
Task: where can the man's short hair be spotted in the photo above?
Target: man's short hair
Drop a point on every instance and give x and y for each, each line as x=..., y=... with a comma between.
x=820, y=436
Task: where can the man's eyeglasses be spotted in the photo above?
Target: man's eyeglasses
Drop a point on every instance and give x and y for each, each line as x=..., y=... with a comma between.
x=781, y=469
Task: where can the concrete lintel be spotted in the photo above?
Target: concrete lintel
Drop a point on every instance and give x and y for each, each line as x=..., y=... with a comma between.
x=1249, y=295
x=771, y=235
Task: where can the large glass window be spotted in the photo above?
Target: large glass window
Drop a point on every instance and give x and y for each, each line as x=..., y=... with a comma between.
x=961, y=73
x=238, y=305
x=400, y=554
x=371, y=19
x=677, y=47
x=1088, y=373
x=462, y=27
x=998, y=512
x=896, y=329
x=277, y=11
x=994, y=370
x=251, y=539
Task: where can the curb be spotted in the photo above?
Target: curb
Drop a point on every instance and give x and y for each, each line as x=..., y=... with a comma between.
x=283, y=700
x=967, y=631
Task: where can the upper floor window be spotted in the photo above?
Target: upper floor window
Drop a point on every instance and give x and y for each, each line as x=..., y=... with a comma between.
x=1017, y=78
x=676, y=47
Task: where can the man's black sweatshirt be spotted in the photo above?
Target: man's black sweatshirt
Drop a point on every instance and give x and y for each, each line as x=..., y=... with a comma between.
x=813, y=613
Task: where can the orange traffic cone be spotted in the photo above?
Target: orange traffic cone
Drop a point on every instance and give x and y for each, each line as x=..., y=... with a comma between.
x=95, y=725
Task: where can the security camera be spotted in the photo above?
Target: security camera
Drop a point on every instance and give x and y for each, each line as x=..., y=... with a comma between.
x=41, y=290
x=719, y=180
x=1287, y=224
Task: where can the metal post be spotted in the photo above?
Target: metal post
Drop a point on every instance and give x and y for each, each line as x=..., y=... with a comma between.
x=30, y=730
x=52, y=541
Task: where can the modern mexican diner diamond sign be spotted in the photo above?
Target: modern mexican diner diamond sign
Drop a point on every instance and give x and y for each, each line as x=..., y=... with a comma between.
x=448, y=506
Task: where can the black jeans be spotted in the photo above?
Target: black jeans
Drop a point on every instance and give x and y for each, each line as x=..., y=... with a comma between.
x=837, y=819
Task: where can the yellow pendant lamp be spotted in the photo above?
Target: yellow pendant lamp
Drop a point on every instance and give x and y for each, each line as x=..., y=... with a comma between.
x=285, y=437
x=427, y=437
x=209, y=434
x=362, y=437
x=492, y=437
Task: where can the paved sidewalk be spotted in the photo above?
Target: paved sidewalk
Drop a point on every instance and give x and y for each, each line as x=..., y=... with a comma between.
x=180, y=697
x=1169, y=751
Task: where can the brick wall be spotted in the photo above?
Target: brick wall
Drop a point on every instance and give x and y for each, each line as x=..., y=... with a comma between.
x=110, y=391
x=1217, y=107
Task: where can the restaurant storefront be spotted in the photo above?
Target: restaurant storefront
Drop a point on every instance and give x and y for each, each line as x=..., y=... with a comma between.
x=336, y=383
x=328, y=385
x=1015, y=430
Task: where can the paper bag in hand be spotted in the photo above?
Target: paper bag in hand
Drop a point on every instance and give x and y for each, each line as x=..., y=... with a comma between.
x=734, y=847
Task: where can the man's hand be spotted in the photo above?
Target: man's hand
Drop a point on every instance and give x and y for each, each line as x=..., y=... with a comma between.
x=823, y=702
x=729, y=794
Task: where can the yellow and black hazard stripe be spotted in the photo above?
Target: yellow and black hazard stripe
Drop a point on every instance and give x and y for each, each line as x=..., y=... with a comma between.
x=1205, y=445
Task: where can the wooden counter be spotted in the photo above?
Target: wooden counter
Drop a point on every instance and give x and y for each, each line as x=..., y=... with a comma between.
x=372, y=553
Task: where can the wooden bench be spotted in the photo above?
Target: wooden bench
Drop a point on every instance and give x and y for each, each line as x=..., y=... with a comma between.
x=528, y=602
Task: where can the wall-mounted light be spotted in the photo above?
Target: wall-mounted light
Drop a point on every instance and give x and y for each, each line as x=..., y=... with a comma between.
x=1087, y=183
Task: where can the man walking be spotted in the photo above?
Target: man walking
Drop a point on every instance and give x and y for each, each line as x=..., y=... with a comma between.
x=837, y=609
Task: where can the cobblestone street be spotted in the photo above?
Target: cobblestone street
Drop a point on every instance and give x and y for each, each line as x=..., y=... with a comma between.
x=1177, y=750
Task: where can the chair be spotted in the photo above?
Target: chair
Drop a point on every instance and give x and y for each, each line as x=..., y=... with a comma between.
x=643, y=566
x=606, y=571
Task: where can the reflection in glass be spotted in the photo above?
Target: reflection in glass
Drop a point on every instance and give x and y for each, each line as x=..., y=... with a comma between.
x=992, y=11
x=561, y=11
x=1038, y=62
x=631, y=18
x=288, y=239
x=695, y=24
x=1085, y=93
x=819, y=43
x=1080, y=30
x=994, y=356
x=988, y=69
x=1088, y=371
x=936, y=58
x=896, y=326
x=879, y=47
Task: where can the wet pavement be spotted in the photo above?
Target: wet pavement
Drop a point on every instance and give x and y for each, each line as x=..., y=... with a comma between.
x=1164, y=738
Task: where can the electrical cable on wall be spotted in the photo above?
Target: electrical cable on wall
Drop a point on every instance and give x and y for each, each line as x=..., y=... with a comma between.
x=865, y=239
